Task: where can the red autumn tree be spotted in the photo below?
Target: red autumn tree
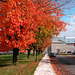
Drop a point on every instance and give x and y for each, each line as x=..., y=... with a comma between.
x=18, y=24
x=21, y=19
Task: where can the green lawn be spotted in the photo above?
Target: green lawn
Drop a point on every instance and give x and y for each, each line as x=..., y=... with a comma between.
x=25, y=66
x=64, y=54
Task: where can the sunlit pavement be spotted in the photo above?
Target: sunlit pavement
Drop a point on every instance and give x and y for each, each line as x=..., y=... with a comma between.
x=71, y=55
x=44, y=67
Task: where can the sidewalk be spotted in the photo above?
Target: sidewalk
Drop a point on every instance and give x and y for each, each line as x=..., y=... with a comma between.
x=44, y=67
x=72, y=55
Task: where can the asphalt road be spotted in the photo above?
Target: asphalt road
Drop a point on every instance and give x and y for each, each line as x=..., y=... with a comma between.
x=67, y=62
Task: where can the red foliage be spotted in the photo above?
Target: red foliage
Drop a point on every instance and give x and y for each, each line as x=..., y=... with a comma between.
x=20, y=20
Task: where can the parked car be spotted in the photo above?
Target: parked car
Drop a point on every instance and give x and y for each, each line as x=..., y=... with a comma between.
x=69, y=52
x=52, y=54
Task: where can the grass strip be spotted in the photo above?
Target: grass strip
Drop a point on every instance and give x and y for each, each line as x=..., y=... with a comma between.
x=25, y=66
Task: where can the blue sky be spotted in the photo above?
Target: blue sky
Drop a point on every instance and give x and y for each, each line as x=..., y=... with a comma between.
x=70, y=17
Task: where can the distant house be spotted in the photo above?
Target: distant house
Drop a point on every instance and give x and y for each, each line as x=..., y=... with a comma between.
x=63, y=44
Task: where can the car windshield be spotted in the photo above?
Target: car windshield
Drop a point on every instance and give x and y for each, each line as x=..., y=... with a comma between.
x=68, y=52
x=52, y=53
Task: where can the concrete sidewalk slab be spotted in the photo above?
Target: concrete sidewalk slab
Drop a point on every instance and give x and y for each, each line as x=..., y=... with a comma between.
x=44, y=67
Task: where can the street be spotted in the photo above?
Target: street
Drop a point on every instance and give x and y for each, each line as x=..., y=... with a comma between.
x=67, y=62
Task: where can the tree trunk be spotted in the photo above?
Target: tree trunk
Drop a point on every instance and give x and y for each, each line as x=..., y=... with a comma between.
x=39, y=51
x=34, y=50
x=28, y=54
x=15, y=55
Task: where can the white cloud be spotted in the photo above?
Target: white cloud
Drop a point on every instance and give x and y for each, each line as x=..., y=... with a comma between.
x=73, y=20
x=70, y=29
x=73, y=17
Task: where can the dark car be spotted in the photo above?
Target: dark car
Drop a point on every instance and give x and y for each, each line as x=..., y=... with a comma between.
x=69, y=52
x=52, y=55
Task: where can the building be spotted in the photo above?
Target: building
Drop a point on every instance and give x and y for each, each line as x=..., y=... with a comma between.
x=63, y=44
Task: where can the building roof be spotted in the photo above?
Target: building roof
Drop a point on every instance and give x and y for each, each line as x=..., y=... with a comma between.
x=64, y=39
x=70, y=40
